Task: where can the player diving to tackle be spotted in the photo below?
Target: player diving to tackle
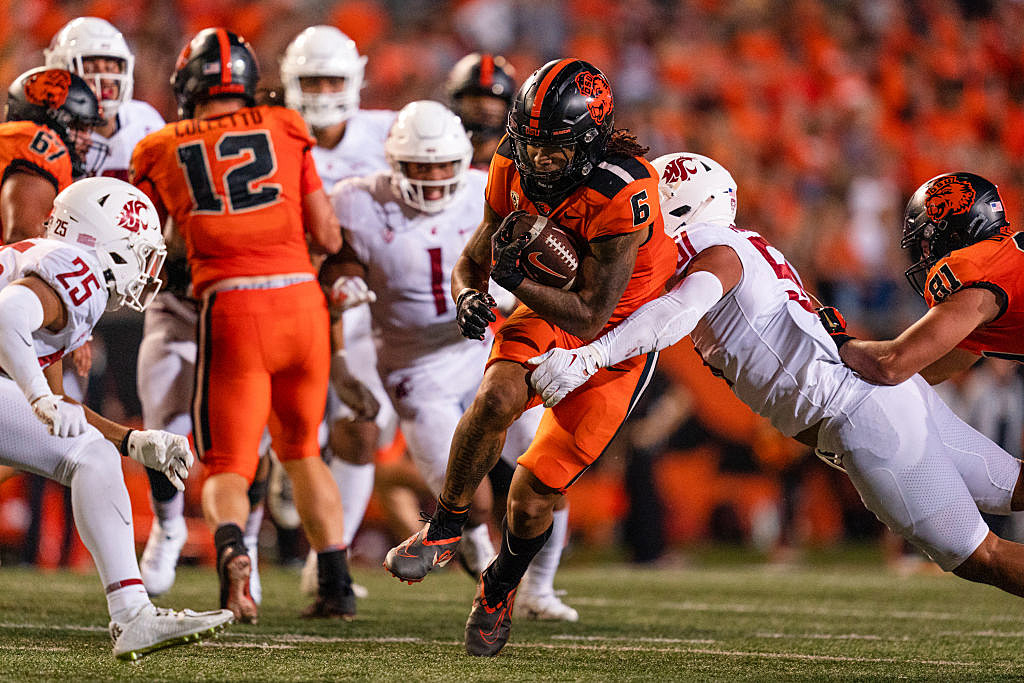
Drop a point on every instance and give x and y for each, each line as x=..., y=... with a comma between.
x=920, y=469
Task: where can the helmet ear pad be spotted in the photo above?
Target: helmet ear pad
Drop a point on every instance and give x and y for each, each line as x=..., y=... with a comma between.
x=951, y=211
x=198, y=74
x=565, y=103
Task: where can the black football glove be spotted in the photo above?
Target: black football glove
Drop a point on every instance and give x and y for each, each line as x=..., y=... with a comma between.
x=474, y=312
x=835, y=324
x=505, y=252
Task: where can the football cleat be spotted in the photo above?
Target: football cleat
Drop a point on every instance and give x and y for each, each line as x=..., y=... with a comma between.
x=415, y=556
x=488, y=626
x=309, y=582
x=335, y=607
x=160, y=558
x=476, y=550
x=153, y=628
x=235, y=594
x=543, y=607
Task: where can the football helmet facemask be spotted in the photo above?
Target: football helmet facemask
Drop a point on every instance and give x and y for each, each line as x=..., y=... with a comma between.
x=87, y=37
x=950, y=211
x=694, y=189
x=65, y=103
x=566, y=103
x=119, y=224
x=322, y=51
x=199, y=75
x=481, y=74
x=427, y=132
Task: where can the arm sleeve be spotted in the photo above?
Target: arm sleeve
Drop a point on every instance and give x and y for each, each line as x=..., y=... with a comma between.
x=662, y=322
x=21, y=313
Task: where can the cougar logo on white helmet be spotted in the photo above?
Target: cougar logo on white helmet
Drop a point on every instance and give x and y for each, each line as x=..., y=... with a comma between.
x=87, y=37
x=694, y=189
x=427, y=132
x=119, y=224
x=322, y=51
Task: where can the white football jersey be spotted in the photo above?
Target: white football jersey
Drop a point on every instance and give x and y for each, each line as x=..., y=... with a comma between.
x=361, y=150
x=74, y=274
x=765, y=338
x=409, y=256
x=135, y=120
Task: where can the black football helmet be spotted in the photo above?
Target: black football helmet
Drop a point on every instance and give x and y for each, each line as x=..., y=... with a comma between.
x=216, y=63
x=60, y=100
x=565, y=103
x=950, y=211
x=481, y=74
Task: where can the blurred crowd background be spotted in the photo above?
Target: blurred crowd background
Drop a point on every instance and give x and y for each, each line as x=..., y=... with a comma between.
x=828, y=113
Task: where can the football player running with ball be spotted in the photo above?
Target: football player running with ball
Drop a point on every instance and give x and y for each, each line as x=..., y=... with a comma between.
x=240, y=183
x=924, y=472
x=102, y=250
x=561, y=158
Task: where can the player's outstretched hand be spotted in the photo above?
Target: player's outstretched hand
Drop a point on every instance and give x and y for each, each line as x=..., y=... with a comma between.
x=349, y=291
x=474, y=312
x=351, y=391
x=62, y=418
x=560, y=371
x=161, y=451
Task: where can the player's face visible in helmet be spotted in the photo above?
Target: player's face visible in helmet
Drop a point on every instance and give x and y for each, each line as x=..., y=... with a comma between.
x=92, y=70
x=322, y=85
x=549, y=158
x=443, y=170
x=483, y=110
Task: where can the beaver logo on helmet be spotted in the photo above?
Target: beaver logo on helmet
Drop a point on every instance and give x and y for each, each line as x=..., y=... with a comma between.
x=48, y=88
x=598, y=93
x=949, y=195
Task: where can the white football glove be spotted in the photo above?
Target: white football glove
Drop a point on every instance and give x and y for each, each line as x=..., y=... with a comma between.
x=560, y=371
x=162, y=451
x=62, y=418
x=349, y=291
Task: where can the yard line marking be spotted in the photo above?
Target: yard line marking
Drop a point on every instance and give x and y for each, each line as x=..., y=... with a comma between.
x=628, y=639
x=54, y=627
x=834, y=636
x=741, y=608
x=255, y=646
x=34, y=648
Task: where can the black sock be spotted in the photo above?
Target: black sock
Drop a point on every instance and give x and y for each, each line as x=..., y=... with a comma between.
x=332, y=574
x=229, y=542
x=160, y=486
x=507, y=569
x=447, y=521
x=257, y=492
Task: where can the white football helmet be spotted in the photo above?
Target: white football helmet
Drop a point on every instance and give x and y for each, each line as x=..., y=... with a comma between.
x=93, y=37
x=427, y=132
x=119, y=224
x=694, y=189
x=322, y=51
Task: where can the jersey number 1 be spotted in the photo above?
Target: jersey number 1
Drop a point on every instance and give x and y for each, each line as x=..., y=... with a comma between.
x=246, y=190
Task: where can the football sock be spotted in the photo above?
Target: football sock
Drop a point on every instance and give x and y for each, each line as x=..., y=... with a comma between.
x=355, y=483
x=160, y=488
x=447, y=521
x=332, y=573
x=252, y=526
x=103, y=516
x=540, y=576
x=502, y=575
x=170, y=509
x=257, y=492
x=229, y=542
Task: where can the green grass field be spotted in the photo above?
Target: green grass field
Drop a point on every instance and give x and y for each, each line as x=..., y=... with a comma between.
x=718, y=618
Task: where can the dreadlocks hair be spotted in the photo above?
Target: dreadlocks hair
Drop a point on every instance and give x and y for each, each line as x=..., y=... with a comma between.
x=623, y=143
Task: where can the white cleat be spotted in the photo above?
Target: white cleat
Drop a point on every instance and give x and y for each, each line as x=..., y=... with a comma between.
x=255, y=587
x=160, y=558
x=153, y=628
x=543, y=607
x=309, y=583
x=476, y=550
x=280, y=500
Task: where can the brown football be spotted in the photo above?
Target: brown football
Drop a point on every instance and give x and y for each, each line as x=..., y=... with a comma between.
x=551, y=256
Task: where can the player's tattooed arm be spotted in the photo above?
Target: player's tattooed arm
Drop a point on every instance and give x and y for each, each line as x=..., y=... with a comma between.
x=602, y=278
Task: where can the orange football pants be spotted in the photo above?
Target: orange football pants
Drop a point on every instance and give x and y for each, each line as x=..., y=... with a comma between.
x=263, y=360
x=574, y=433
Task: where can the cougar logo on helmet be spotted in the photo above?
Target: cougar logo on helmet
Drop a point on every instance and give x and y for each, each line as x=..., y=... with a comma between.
x=949, y=195
x=131, y=216
x=48, y=88
x=598, y=93
x=676, y=170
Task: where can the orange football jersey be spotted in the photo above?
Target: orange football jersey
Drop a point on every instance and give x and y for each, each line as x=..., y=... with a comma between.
x=34, y=148
x=234, y=185
x=620, y=196
x=996, y=264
